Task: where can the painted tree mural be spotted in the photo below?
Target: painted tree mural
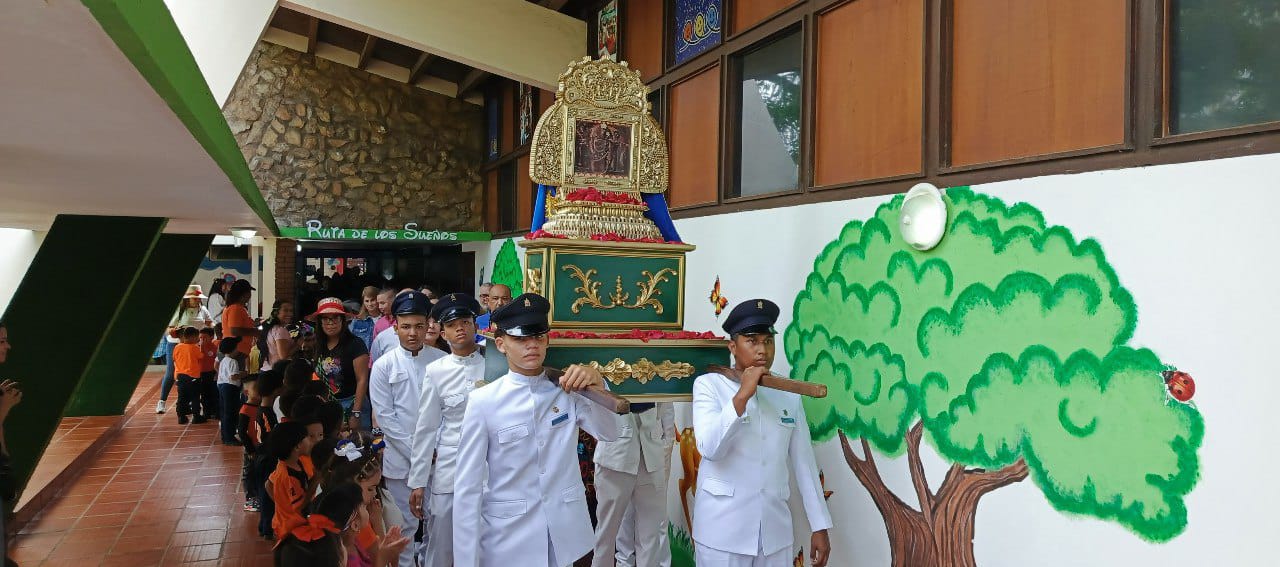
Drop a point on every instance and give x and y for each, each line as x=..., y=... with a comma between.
x=1005, y=348
x=507, y=270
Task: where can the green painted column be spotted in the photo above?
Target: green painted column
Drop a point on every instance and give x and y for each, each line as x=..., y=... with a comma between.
x=114, y=372
x=59, y=317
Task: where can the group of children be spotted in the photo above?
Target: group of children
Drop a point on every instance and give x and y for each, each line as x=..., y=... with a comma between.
x=209, y=372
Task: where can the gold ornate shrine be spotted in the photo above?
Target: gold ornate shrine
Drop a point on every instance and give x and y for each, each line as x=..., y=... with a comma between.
x=616, y=285
x=599, y=134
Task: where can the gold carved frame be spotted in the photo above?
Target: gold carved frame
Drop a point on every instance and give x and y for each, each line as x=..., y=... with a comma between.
x=600, y=91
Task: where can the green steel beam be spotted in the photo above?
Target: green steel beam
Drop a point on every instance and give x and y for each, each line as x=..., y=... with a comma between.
x=146, y=34
x=59, y=318
x=114, y=372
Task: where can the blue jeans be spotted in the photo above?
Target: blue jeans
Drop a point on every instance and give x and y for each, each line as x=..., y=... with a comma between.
x=166, y=383
x=229, y=396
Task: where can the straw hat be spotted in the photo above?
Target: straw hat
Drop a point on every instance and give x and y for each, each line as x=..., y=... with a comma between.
x=193, y=292
x=329, y=306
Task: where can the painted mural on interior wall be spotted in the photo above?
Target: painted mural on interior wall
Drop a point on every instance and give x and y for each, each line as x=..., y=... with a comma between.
x=507, y=270
x=1006, y=348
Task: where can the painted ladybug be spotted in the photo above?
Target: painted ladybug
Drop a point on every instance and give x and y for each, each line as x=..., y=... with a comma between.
x=1179, y=385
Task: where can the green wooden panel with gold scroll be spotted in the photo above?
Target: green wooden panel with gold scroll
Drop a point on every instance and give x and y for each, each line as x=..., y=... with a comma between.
x=615, y=289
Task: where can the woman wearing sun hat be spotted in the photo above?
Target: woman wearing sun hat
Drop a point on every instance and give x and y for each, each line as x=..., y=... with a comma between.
x=342, y=361
x=191, y=313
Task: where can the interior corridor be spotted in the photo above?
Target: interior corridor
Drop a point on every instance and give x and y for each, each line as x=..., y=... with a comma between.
x=158, y=493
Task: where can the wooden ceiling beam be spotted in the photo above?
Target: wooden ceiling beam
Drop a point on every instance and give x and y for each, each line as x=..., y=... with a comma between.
x=547, y=40
x=471, y=81
x=370, y=42
x=313, y=34
x=419, y=67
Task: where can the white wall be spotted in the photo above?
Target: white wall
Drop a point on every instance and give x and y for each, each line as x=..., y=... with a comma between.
x=221, y=34
x=17, y=248
x=1192, y=242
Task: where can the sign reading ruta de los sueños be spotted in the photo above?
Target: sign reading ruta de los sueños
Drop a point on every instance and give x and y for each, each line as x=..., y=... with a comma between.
x=316, y=230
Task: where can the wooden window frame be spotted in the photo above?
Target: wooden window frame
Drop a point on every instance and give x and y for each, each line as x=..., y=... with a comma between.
x=666, y=115
x=811, y=101
x=1144, y=141
x=945, y=38
x=1164, y=100
x=731, y=105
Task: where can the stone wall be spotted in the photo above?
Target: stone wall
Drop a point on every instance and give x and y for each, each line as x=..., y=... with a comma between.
x=326, y=141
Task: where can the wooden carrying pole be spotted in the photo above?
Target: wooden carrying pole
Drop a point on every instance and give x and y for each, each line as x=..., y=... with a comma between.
x=776, y=382
x=617, y=404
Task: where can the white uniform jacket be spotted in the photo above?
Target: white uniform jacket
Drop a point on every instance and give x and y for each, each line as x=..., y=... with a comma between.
x=394, y=385
x=744, y=480
x=521, y=434
x=649, y=432
x=443, y=400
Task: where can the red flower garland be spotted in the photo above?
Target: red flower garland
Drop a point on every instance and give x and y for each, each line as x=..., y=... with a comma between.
x=597, y=196
x=640, y=334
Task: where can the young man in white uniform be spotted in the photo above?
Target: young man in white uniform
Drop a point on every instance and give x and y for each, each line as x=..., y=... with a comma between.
x=521, y=433
x=394, y=389
x=631, y=475
x=753, y=442
x=441, y=404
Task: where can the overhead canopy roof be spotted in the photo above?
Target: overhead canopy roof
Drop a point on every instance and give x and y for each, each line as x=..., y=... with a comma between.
x=106, y=113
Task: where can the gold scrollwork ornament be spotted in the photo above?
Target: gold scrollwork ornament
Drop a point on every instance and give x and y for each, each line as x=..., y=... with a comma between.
x=618, y=371
x=590, y=290
x=533, y=281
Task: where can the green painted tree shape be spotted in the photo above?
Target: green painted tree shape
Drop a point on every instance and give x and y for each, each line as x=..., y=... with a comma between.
x=507, y=270
x=1006, y=344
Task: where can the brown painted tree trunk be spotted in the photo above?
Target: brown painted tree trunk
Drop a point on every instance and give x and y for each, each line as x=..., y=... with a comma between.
x=940, y=533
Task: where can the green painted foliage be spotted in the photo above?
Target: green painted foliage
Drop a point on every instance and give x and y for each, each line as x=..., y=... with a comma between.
x=1007, y=341
x=507, y=270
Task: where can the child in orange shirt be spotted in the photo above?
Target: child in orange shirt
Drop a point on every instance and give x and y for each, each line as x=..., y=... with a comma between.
x=186, y=365
x=207, y=384
x=288, y=485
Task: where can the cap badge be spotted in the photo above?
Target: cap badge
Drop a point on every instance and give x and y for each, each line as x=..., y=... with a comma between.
x=453, y=297
x=759, y=305
x=528, y=303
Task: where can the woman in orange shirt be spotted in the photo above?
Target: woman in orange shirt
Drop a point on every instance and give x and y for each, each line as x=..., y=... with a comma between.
x=236, y=321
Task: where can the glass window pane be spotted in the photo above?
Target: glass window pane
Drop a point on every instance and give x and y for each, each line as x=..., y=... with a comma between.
x=1225, y=64
x=769, y=118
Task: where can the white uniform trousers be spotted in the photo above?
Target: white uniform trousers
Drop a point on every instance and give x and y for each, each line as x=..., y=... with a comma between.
x=626, y=553
x=615, y=493
x=439, y=531
x=399, y=489
x=706, y=557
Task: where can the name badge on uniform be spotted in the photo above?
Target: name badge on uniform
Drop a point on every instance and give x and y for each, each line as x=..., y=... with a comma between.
x=557, y=420
x=791, y=420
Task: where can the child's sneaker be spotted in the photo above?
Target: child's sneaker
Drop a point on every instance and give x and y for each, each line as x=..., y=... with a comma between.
x=160, y=406
x=251, y=505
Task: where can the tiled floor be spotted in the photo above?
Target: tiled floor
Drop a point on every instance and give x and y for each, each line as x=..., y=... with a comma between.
x=159, y=494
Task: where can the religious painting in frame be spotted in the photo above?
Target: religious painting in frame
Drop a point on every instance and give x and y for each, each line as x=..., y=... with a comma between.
x=697, y=27
x=526, y=103
x=602, y=148
x=607, y=30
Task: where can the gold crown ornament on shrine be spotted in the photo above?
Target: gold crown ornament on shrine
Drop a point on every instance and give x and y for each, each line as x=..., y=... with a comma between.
x=599, y=145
